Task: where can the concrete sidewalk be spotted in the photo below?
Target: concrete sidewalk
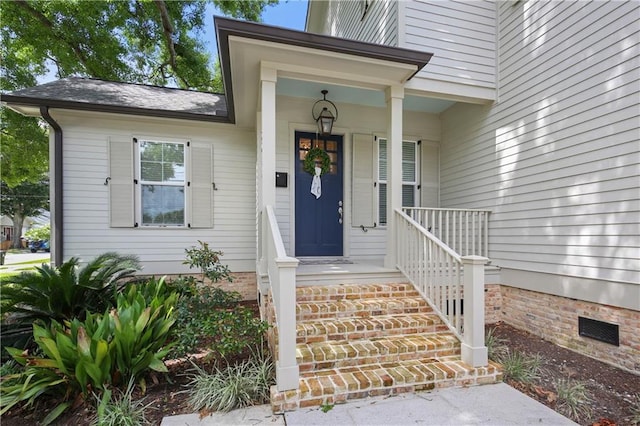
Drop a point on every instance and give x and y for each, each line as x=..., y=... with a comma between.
x=497, y=404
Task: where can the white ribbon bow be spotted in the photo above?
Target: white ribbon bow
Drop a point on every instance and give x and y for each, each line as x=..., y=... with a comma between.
x=316, y=185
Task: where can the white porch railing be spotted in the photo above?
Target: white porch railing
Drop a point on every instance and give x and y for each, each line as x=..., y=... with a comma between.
x=464, y=231
x=282, y=280
x=445, y=279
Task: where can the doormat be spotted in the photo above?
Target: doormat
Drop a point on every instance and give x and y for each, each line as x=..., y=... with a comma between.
x=325, y=261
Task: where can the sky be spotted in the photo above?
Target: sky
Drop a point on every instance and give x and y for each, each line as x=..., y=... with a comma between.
x=288, y=13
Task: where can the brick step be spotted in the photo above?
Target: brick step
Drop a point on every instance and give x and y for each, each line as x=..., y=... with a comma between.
x=337, y=385
x=344, y=353
x=366, y=328
x=354, y=291
x=362, y=308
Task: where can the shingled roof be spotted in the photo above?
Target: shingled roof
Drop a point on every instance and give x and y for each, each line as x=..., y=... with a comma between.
x=108, y=96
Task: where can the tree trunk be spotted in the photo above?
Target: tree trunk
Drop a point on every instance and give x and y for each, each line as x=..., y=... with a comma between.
x=18, y=221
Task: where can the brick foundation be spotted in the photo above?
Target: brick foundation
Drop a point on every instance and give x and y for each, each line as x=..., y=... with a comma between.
x=243, y=282
x=555, y=319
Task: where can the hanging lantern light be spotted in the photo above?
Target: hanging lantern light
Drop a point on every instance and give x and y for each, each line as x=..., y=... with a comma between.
x=323, y=115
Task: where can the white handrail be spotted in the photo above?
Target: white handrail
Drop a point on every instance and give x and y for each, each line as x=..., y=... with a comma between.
x=445, y=280
x=282, y=281
x=466, y=231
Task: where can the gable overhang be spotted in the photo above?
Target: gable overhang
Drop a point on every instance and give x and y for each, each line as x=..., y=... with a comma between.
x=30, y=107
x=245, y=48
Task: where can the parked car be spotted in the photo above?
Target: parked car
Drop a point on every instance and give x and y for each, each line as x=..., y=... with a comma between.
x=36, y=245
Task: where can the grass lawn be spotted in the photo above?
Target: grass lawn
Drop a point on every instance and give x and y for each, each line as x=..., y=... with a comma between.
x=28, y=265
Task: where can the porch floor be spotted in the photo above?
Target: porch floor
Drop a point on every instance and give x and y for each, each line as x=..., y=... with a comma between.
x=322, y=271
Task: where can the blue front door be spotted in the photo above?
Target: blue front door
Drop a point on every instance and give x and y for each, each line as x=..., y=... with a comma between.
x=319, y=219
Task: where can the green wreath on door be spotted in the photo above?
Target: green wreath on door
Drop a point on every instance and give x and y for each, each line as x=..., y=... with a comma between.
x=309, y=163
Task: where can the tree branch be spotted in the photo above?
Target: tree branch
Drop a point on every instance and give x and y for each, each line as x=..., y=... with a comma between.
x=167, y=30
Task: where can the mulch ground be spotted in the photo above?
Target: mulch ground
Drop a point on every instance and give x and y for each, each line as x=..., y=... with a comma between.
x=612, y=389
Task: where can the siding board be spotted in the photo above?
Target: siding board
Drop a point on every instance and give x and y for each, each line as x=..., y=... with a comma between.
x=161, y=251
x=379, y=25
x=461, y=35
x=557, y=159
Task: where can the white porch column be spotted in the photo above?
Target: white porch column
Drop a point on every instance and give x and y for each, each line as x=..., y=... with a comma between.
x=394, y=97
x=266, y=171
x=473, y=350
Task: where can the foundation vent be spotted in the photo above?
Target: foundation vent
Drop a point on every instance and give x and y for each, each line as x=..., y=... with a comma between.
x=599, y=330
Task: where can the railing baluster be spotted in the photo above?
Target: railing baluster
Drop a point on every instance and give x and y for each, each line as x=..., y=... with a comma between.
x=473, y=232
x=432, y=265
x=486, y=235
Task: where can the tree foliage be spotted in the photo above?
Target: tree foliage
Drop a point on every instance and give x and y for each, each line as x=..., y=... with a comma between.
x=24, y=155
x=23, y=200
x=156, y=42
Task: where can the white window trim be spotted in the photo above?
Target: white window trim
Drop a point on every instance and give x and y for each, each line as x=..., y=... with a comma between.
x=140, y=182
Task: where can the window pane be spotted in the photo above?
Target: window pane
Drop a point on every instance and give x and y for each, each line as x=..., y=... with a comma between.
x=151, y=171
x=305, y=143
x=408, y=196
x=173, y=152
x=173, y=172
x=382, y=205
x=408, y=162
x=150, y=151
x=162, y=162
x=162, y=205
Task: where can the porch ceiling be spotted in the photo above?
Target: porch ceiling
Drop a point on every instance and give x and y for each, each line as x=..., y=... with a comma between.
x=355, y=95
x=244, y=47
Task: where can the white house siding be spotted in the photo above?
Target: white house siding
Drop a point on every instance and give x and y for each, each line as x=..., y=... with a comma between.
x=557, y=158
x=86, y=208
x=345, y=19
x=294, y=114
x=462, y=37
x=460, y=34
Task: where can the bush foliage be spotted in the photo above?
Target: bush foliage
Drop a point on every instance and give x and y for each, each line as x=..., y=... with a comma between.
x=212, y=318
x=61, y=294
x=93, y=329
x=81, y=356
x=233, y=386
x=208, y=261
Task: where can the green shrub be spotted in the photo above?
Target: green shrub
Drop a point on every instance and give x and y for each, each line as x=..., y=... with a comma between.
x=573, y=399
x=208, y=261
x=84, y=356
x=635, y=409
x=60, y=294
x=122, y=410
x=41, y=233
x=141, y=327
x=520, y=367
x=230, y=387
x=9, y=367
x=213, y=315
x=496, y=347
x=234, y=330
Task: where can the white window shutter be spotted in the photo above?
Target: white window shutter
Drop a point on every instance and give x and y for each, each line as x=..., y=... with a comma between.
x=201, y=186
x=121, y=185
x=363, y=191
